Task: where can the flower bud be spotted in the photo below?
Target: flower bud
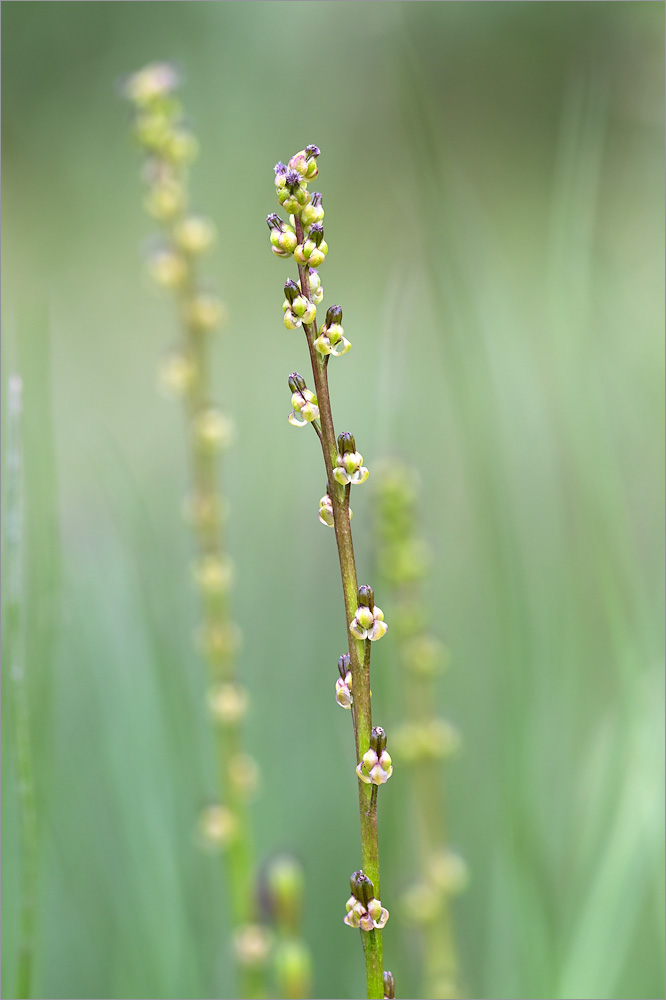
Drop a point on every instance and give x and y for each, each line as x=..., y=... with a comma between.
x=316, y=234
x=378, y=740
x=147, y=85
x=195, y=235
x=366, y=597
x=280, y=174
x=362, y=888
x=291, y=290
x=334, y=315
x=343, y=665
x=293, y=968
x=180, y=147
x=213, y=430
x=314, y=212
x=305, y=162
x=252, y=944
x=449, y=872
x=176, y=374
x=346, y=443
x=165, y=200
x=286, y=886
x=167, y=268
x=228, y=702
x=205, y=312
x=244, y=773
x=389, y=986
x=296, y=382
x=218, y=826
x=213, y=574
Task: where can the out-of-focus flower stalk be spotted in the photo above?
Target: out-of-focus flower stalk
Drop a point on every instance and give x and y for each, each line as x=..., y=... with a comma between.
x=169, y=148
x=423, y=741
x=14, y=643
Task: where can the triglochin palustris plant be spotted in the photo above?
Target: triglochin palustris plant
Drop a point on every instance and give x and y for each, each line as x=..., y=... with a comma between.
x=301, y=237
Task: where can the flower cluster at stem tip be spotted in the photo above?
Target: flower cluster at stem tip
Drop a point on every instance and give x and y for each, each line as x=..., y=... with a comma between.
x=170, y=148
x=302, y=238
x=363, y=910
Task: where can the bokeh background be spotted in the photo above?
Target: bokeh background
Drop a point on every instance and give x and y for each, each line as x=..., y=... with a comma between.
x=493, y=179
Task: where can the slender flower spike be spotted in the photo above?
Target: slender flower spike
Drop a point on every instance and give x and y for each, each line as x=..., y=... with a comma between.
x=304, y=402
x=349, y=463
x=368, y=621
x=331, y=339
x=297, y=309
x=326, y=511
x=343, y=685
x=283, y=238
x=363, y=910
x=376, y=768
x=314, y=249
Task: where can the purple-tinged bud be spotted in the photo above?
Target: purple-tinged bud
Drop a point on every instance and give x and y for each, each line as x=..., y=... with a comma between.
x=389, y=986
x=293, y=180
x=312, y=151
x=315, y=199
x=280, y=168
x=296, y=382
x=366, y=598
x=334, y=315
x=316, y=233
x=362, y=888
x=346, y=443
x=378, y=740
x=343, y=665
x=291, y=290
x=274, y=221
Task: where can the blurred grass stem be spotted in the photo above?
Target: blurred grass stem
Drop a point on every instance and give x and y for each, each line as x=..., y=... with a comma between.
x=15, y=638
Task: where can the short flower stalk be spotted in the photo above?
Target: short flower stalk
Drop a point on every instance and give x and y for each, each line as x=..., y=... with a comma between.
x=302, y=237
x=185, y=237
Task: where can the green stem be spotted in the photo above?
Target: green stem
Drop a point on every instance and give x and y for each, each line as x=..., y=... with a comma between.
x=359, y=652
x=15, y=644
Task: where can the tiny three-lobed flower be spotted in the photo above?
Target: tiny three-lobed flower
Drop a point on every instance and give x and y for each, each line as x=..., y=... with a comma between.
x=313, y=250
x=304, y=402
x=331, y=339
x=326, y=515
x=343, y=685
x=363, y=910
x=368, y=621
x=296, y=307
x=349, y=466
x=375, y=767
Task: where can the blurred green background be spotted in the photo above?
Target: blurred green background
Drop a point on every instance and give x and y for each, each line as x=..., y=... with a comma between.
x=493, y=179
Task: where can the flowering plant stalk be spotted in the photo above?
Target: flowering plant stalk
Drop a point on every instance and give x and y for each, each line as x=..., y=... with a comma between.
x=169, y=148
x=302, y=237
x=424, y=740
